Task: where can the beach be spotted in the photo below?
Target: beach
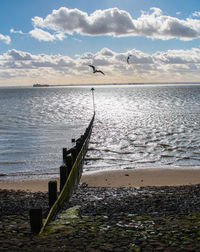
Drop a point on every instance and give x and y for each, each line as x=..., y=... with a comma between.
x=30, y=185
x=163, y=218
x=116, y=178
x=138, y=210
x=142, y=177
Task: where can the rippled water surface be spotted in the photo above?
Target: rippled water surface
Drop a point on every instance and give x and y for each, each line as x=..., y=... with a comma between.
x=135, y=126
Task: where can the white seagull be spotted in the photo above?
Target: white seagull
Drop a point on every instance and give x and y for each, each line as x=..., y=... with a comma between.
x=128, y=58
x=95, y=70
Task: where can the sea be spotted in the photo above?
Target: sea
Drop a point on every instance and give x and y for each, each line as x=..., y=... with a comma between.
x=135, y=127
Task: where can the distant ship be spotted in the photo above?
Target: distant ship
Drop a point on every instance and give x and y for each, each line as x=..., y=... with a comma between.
x=40, y=85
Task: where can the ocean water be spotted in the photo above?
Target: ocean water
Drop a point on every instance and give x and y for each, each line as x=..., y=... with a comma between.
x=135, y=127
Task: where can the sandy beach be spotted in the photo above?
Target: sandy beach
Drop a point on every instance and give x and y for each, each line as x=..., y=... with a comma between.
x=40, y=185
x=143, y=177
x=116, y=178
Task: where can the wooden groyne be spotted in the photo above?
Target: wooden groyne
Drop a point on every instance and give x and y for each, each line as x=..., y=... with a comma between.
x=70, y=174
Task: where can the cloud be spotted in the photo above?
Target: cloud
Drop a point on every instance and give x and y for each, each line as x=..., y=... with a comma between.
x=19, y=59
x=18, y=55
x=196, y=14
x=138, y=57
x=15, y=31
x=5, y=38
x=103, y=57
x=46, y=36
x=107, y=52
x=191, y=56
x=143, y=67
x=116, y=22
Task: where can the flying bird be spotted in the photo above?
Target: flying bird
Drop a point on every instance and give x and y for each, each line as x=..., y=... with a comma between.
x=128, y=58
x=95, y=70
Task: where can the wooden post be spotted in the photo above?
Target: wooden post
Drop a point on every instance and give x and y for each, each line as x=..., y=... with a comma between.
x=82, y=140
x=35, y=219
x=69, y=163
x=78, y=146
x=52, y=186
x=84, y=148
x=84, y=136
x=63, y=176
x=64, y=155
x=74, y=154
x=87, y=131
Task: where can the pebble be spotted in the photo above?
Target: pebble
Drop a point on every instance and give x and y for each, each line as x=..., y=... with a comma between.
x=138, y=219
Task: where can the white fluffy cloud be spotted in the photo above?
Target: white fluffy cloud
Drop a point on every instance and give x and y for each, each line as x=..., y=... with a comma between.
x=5, y=38
x=191, y=56
x=104, y=57
x=116, y=22
x=46, y=36
x=19, y=59
x=158, y=66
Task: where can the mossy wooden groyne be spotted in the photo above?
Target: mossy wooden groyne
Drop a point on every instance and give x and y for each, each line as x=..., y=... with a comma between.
x=70, y=174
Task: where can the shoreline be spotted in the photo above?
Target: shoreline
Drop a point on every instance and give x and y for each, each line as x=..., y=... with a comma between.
x=116, y=178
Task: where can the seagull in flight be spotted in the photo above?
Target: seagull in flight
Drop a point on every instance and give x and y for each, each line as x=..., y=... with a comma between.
x=95, y=70
x=128, y=58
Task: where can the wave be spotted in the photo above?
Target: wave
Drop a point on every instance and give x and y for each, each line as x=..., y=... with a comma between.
x=109, y=150
x=11, y=162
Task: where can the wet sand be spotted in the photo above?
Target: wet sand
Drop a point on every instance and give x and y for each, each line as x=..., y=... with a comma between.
x=143, y=177
x=116, y=178
x=40, y=185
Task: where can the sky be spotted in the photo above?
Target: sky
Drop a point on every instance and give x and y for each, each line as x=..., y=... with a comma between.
x=54, y=41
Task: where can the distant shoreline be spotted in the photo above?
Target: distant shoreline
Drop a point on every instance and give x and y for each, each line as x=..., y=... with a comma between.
x=125, y=84
x=106, y=84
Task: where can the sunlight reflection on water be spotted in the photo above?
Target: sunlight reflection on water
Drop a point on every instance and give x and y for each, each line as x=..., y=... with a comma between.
x=146, y=126
x=135, y=126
